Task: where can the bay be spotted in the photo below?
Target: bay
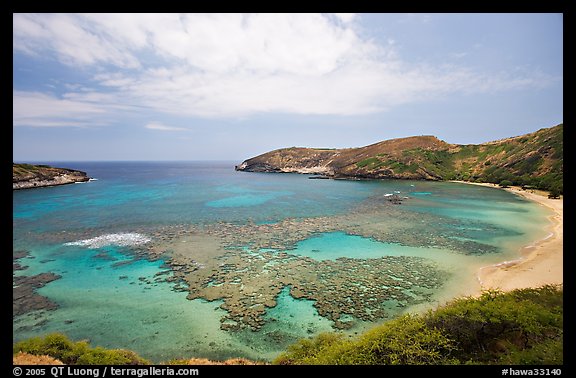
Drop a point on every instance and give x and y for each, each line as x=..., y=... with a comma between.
x=116, y=293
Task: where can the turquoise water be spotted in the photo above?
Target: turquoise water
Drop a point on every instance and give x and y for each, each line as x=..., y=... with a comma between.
x=334, y=245
x=112, y=293
x=112, y=306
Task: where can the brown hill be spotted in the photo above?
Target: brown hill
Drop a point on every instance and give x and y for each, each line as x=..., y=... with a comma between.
x=534, y=159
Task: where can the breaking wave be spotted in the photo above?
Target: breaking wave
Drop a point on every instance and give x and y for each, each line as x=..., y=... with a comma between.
x=122, y=239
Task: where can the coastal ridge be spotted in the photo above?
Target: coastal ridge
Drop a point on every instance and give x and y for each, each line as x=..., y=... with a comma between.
x=533, y=160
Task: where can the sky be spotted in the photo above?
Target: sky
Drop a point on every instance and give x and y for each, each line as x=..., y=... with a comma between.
x=98, y=87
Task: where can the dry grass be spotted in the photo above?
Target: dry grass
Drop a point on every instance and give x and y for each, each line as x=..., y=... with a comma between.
x=22, y=358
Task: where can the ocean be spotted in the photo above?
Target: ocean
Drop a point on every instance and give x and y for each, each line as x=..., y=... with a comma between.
x=193, y=259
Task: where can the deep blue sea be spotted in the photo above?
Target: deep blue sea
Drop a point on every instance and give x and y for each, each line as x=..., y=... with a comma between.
x=112, y=296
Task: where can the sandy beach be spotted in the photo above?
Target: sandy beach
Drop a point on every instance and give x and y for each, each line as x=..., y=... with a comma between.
x=540, y=262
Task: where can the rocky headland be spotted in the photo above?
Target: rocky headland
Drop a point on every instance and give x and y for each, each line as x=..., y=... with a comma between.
x=534, y=159
x=25, y=176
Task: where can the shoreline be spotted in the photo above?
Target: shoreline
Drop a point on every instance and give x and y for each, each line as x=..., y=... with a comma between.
x=540, y=262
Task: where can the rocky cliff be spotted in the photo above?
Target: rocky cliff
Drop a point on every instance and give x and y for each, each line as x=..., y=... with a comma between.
x=26, y=176
x=534, y=159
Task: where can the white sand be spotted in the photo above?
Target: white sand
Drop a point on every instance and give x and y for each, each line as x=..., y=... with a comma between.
x=541, y=262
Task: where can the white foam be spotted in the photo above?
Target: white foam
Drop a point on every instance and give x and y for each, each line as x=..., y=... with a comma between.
x=122, y=239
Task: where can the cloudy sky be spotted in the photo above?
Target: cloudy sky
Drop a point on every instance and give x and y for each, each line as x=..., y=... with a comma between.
x=232, y=86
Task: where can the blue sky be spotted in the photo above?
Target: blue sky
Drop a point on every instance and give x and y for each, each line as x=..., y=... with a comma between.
x=232, y=86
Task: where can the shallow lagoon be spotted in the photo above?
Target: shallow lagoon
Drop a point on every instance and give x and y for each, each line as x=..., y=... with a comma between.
x=133, y=295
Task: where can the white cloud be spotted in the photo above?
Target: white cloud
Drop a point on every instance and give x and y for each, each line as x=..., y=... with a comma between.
x=42, y=110
x=74, y=40
x=235, y=65
x=345, y=18
x=162, y=127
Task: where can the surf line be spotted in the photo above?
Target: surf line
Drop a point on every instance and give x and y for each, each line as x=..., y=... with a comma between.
x=510, y=263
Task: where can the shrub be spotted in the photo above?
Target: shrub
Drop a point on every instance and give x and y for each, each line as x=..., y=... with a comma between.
x=498, y=323
x=58, y=346
x=101, y=356
x=405, y=341
x=370, y=163
x=548, y=352
x=310, y=351
x=55, y=345
x=554, y=193
x=520, y=327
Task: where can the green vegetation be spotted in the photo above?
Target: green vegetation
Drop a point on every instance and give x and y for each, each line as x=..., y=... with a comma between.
x=370, y=163
x=535, y=159
x=403, y=341
x=400, y=167
x=397, y=166
x=58, y=346
x=520, y=327
x=20, y=169
x=440, y=162
x=554, y=193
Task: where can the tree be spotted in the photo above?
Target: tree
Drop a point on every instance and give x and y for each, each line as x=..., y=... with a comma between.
x=554, y=193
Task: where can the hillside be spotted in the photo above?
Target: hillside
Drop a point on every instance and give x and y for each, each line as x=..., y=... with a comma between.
x=534, y=159
x=26, y=176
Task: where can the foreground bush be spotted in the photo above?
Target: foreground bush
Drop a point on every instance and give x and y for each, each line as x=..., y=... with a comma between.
x=496, y=324
x=58, y=346
x=520, y=327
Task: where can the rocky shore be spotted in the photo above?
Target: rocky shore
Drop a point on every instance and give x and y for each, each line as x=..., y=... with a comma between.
x=25, y=176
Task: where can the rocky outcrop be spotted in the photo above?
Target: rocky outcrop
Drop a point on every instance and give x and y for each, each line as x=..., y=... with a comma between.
x=534, y=159
x=25, y=176
x=26, y=299
x=293, y=160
